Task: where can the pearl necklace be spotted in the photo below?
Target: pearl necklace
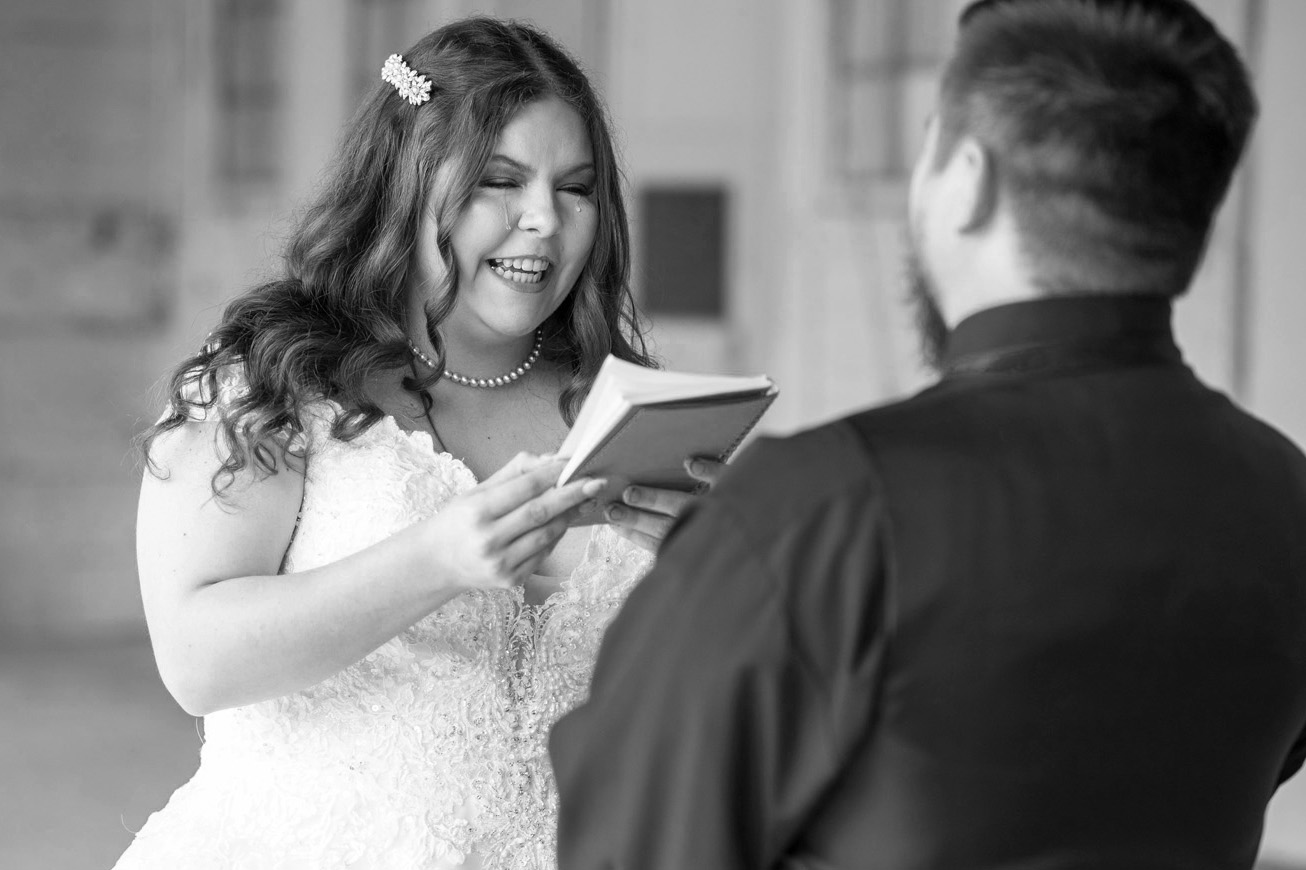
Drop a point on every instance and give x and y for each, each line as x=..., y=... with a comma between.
x=485, y=383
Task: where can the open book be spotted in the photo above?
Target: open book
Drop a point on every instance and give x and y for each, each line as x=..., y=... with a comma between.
x=639, y=425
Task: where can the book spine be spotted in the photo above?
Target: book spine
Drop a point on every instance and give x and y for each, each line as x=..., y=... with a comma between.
x=734, y=445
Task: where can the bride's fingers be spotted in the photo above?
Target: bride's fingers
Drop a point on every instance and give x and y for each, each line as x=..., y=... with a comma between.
x=527, y=568
x=554, y=503
x=531, y=548
x=668, y=502
x=506, y=495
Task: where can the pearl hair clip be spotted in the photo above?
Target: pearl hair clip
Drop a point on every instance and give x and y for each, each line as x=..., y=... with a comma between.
x=414, y=88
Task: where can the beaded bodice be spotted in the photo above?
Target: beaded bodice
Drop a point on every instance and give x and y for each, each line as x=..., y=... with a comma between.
x=432, y=751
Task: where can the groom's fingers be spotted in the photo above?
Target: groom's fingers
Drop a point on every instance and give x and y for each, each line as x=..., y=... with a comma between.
x=640, y=522
x=651, y=499
x=639, y=539
x=707, y=470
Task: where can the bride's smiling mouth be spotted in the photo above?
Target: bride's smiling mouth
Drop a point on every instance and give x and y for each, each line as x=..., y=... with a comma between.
x=521, y=270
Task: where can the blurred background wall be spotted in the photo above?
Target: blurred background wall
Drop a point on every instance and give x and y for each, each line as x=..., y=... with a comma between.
x=152, y=153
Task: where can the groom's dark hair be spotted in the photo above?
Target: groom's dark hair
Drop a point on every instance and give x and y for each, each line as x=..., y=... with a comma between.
x=1114, y=127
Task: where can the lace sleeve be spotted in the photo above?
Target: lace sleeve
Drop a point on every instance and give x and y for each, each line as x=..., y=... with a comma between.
x=230, y=383
x=209, y=398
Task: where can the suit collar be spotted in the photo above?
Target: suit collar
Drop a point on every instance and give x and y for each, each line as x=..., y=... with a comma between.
x=1063, y=332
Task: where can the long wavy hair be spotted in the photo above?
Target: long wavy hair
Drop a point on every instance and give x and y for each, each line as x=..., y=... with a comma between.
x=339, y=315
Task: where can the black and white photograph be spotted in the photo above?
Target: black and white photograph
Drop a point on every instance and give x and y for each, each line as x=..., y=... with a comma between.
x=632, y=435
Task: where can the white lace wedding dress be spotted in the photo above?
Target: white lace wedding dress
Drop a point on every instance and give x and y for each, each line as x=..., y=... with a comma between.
x=430, y=753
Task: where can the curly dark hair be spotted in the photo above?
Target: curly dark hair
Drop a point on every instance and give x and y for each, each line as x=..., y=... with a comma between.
x=339, y=313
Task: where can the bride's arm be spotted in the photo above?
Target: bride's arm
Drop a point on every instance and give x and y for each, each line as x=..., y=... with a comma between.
x=227, y=630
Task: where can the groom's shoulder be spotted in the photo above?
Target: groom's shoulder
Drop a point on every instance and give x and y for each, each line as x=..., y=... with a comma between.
x=839, y=457
x=938, y=410
x=835, y=454
x=794, y=474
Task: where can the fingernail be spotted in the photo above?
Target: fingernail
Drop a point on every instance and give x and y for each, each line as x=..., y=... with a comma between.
x=632, y=495
x=694, y=466
x=616, y=513
x=593, y=487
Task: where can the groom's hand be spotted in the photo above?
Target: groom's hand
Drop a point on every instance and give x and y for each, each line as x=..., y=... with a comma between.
x=645, y=514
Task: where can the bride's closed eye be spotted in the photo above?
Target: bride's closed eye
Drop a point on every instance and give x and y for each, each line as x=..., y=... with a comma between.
x=499, y=183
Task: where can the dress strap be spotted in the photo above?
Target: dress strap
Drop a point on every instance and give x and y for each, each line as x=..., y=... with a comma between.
x=426, y=411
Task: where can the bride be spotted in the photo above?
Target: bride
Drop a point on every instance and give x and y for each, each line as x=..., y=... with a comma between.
x=378, y=634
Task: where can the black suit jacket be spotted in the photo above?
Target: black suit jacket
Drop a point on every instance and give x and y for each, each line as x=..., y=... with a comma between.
x=1048, y=614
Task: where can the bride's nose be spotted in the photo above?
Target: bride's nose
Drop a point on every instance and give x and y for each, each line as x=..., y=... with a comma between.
x=540, y=211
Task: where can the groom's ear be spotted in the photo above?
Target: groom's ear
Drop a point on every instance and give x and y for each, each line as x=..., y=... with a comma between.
x=970, y=185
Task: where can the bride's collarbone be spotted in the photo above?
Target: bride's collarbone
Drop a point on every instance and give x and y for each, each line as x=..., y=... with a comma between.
x=484, y=428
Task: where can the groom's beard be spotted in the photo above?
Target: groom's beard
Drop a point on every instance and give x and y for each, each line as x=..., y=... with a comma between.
x=931, y=328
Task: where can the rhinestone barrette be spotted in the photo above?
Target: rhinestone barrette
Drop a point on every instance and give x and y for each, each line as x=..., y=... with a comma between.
x=414, y=88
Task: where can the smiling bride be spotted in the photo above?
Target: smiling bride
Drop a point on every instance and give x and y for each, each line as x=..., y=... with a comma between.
x=353, y=559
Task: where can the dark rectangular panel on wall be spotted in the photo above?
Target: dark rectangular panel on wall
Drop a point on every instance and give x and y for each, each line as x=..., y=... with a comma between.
x=250, y=92
x=683, y=243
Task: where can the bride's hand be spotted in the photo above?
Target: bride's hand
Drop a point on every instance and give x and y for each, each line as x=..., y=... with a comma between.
x=496, y=535
x=645, y=513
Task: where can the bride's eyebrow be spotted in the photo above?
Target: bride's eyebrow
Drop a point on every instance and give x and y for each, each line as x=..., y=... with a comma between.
x=525, y=169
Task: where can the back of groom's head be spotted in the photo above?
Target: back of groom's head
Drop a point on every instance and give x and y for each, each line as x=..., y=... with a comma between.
x=1114, y=127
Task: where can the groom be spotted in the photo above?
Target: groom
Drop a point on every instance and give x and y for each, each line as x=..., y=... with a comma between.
x=1048, y=614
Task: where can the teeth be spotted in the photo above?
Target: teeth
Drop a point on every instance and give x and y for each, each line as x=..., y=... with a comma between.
x=522, y=264
x=521, y=270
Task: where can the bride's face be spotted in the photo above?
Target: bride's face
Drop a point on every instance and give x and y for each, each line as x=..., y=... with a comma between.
x=525, y=236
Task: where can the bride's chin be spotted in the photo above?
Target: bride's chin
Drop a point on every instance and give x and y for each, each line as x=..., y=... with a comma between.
x=524, y=325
